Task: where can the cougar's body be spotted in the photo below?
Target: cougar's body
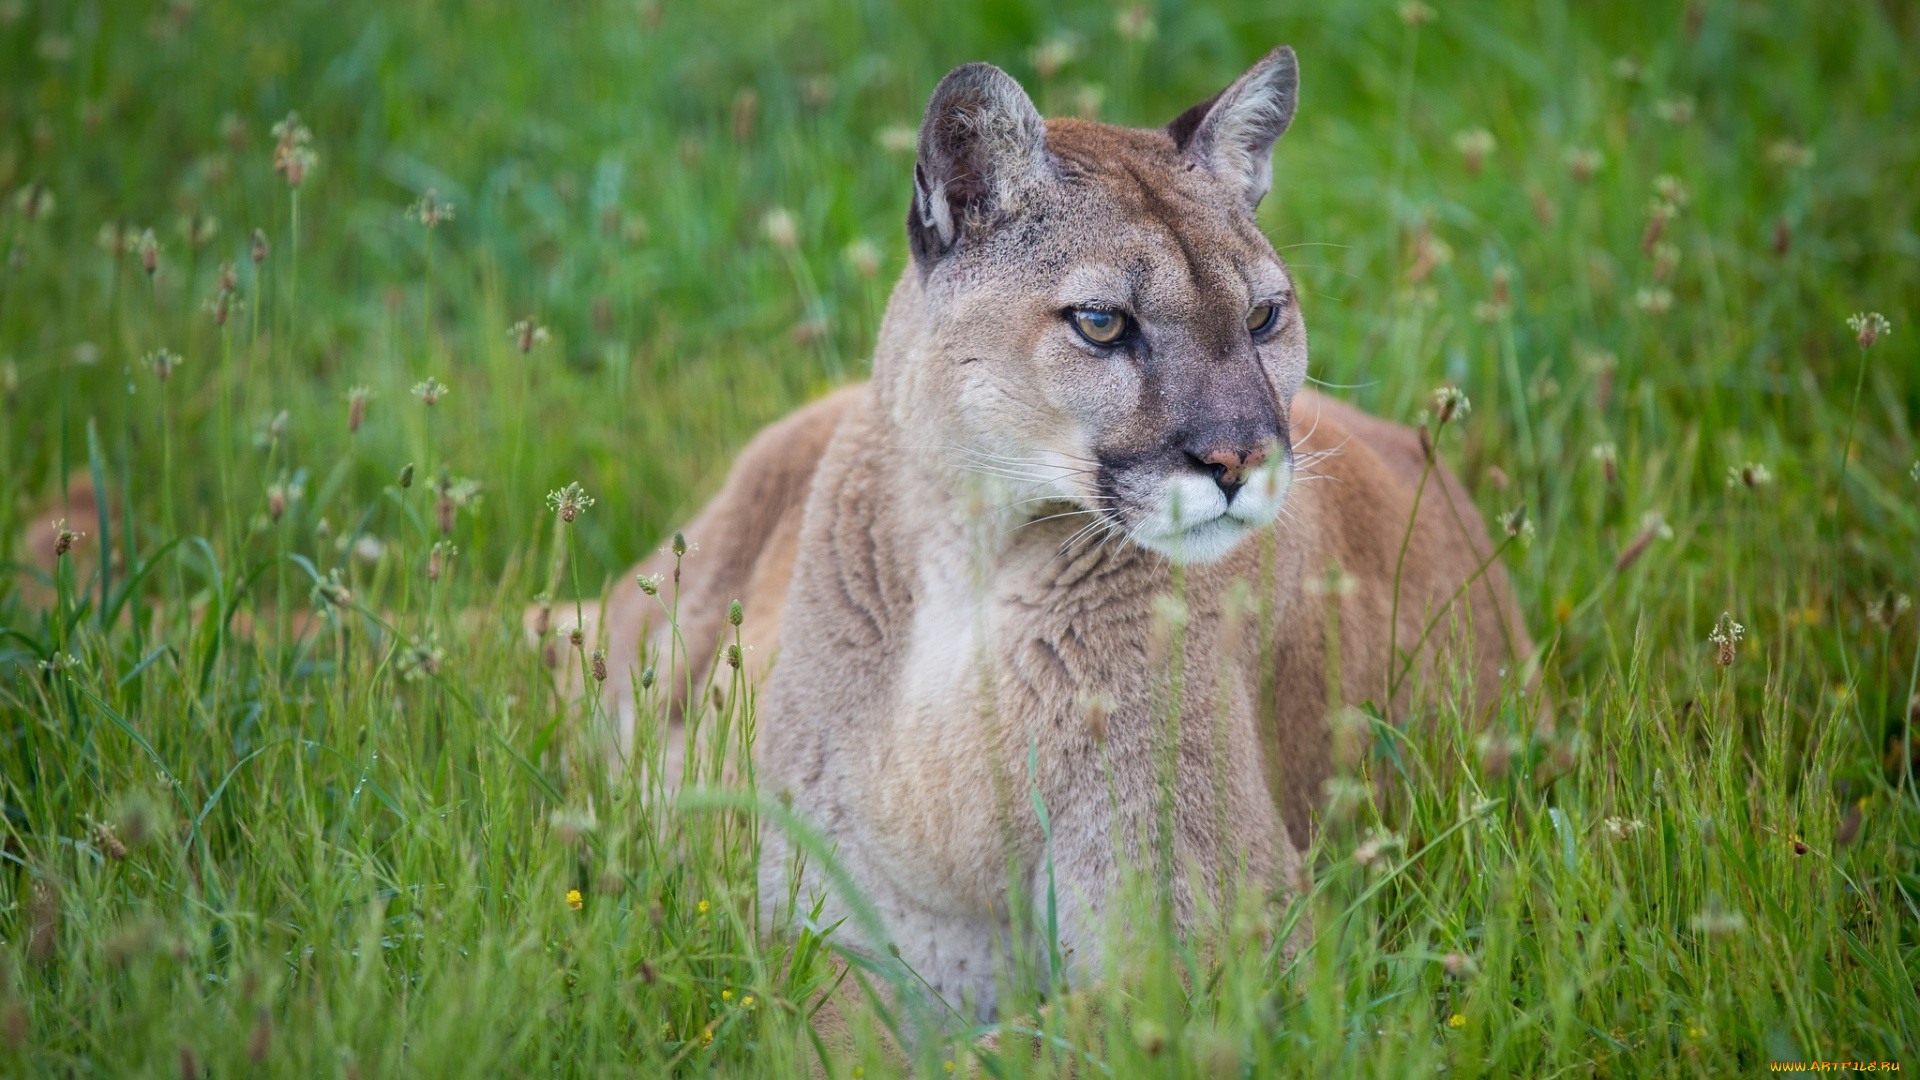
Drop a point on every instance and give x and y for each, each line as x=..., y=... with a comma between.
x=1067, y=536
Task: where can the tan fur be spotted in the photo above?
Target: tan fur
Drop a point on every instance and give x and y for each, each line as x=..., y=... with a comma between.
x=913, y=548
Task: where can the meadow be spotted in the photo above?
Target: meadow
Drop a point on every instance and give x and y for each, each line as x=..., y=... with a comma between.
x=307, y=307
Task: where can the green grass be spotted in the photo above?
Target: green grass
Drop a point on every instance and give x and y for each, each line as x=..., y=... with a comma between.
x=350, y=856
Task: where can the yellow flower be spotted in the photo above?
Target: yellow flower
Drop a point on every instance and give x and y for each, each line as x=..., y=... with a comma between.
x=726, y=995
x=706, y=1036
x=574, y=899
x=1694, y=1032
x=1456, y=1021
x=704, y=906
x=947, y=1066
x=747, y=1002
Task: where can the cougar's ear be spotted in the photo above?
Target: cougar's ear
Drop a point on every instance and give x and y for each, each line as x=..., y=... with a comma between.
x=1232, y=133
x=982, y=144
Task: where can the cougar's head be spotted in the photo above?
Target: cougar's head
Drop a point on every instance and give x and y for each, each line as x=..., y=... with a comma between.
x=1093, y=316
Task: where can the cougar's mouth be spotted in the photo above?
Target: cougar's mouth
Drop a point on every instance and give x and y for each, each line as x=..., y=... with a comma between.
x=1192, y=517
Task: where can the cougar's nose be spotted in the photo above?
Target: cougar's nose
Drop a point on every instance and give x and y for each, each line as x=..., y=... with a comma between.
x=1229, y=465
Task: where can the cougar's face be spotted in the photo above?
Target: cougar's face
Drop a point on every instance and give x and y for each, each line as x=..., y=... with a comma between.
x=1123, y=349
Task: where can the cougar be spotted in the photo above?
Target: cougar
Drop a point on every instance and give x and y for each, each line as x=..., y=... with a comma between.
x=1085, y=464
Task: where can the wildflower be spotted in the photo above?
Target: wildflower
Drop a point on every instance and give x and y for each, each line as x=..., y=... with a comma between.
x=1053, y=54
x=406, y=476
x=1751, y=474
x=1583, y=162
x=1660, y=210
x=430, y=390
x=679, y=544
x=649, y=584
x=1474, y=145
x=575, y=900
x=1676, y=111
x=35, y=201
x=115, y=238
x=1450, y=403
x=220, y=305
x=780, y=227
x=1456, y=1021
x=898, y=139
x=1429, y=251
x=1609, y=460
x=747, y=1002
x=1415, y=13
x=276, y=501
x=332, y=590
x=103, y=838
x=1717, y=923
x=234, y=131
x=357, y=398
x=148, y=247
x=1868, y=327
x=1666, y=256
x=1654, y=301
x=599, y=664
x=64, y=537
x=526, y=334
x=703, y=907
x=1887, y=609
x=1789, y=154
x=293, y=154
x=1459, y=964
x=163, y=362
x=1134, y=23
x=1652, y=527
x=430, y=210
x=1695, y=1031
x=438, y=557
x=1376, y=847
x=1501, y=302
x=569, y=501
x=864, y=257
x=259, y=252
x=646, y=678
x=198, y=228
x=733, y=657
x=1621, y=828
x=1726, y=636
x=735, y=614
x=577, y=637
x=726, y=995
x=1517, y=525
x=422, y=659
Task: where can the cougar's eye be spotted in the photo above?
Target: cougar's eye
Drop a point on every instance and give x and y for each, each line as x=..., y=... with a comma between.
x=1261, y=317
x=1100, y=327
